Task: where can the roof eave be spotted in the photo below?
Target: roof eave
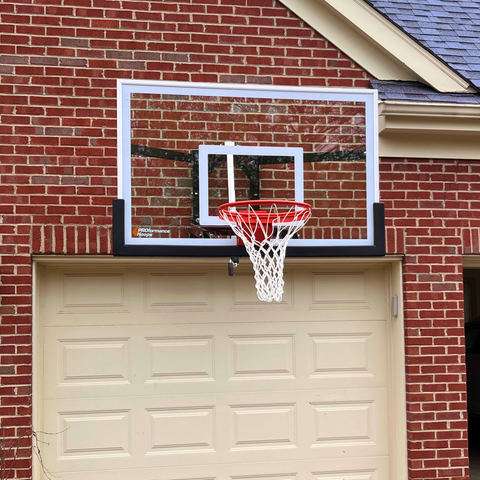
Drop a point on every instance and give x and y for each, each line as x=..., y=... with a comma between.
x=376, y=44
x=429, y=130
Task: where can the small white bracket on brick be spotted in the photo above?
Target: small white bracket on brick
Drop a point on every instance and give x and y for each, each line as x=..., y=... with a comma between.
x=394, y=306
x=230, y=174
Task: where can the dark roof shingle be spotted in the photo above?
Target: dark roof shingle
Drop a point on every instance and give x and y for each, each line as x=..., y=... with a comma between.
x=449, y=29
x=418, y=92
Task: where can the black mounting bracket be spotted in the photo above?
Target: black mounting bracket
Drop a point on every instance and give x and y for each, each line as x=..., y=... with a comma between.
x=120, y=248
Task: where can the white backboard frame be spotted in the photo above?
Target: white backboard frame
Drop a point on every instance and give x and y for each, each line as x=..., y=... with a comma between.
x=125, y=88
x=204, y=151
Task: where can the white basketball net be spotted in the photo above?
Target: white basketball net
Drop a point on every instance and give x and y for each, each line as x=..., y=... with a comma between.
x=267, y=246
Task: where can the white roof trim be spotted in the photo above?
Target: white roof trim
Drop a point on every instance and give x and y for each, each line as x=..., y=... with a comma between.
x=429, y=117
x=429, y=130
x=430, y=108
x=376, y=44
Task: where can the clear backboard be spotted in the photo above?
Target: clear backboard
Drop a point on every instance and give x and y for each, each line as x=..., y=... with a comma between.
x=313, y=145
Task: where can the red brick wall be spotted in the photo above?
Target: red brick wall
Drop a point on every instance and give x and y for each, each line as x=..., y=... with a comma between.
x=59, y=60
x=433, y=216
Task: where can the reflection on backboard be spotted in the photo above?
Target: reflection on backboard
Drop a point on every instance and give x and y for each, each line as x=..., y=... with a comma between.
x=303, y=144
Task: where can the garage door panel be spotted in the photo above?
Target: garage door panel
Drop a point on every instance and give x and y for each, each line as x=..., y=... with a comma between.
x=154, y=383
x=183, y=295
x=375, y=468
x=111, y=361
x=214, y=429
x=243, y=294
x=345, y=293
x=94, y=433
x=92, y=292
x=341, y=354
x=86, y=296
x=94, y=361
x=170, y=359
x=178, y=291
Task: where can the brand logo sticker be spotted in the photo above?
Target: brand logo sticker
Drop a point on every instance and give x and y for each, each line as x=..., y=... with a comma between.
x=148, y=232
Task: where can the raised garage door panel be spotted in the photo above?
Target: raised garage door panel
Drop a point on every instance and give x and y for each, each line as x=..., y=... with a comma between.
x=315, y=295
x=121, y=360
x=158, y=374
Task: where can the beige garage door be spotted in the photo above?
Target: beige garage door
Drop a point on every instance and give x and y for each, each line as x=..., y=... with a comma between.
x=181, y=373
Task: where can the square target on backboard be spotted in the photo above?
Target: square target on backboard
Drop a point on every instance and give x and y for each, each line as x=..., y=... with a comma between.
x=317, y=145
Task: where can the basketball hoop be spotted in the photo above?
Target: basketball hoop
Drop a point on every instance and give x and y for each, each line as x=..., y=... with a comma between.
x=266, y=233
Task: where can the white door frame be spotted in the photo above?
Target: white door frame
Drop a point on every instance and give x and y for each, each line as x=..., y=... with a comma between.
x=395, y=335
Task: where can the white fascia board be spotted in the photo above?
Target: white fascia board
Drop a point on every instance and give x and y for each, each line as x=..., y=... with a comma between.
x=429, y=117
x=375, y=43
x=429, y=130
x=467, y=110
